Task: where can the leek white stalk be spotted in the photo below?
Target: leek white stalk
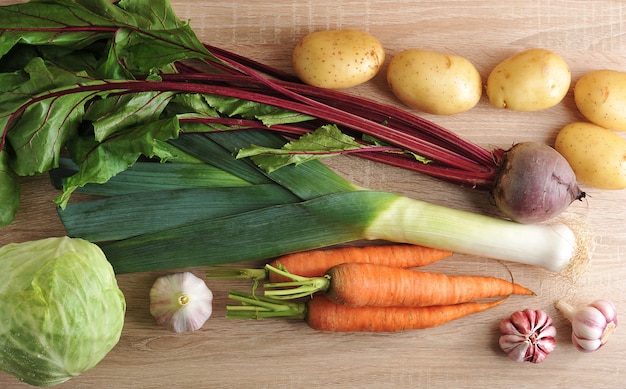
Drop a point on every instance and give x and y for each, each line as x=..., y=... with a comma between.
x=412, y=221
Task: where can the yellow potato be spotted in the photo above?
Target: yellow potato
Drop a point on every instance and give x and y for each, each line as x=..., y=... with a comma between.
x=337, y=59
x=434, y=82
x=531, y=80
x=601, y=97
x=597, y=155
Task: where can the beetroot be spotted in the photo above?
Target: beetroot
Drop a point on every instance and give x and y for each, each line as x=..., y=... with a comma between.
x=39, y=124
x=534, y=183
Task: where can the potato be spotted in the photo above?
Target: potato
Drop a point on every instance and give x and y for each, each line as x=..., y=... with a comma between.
x=601, y=97
x=597, y=155
x=337, y=59
x=434, y=82
x=531, y=80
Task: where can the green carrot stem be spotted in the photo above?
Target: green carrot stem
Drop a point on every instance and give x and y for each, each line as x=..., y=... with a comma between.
x=259, y=307
x=230, y=272
x=299, y=287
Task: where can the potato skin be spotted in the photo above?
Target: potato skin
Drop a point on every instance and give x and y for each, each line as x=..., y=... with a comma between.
x=337, y=59
x=531, y=80
x=601, y=97
x=597, y=155
x=434, y=82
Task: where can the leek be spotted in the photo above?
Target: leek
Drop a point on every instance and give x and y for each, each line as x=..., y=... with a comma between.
x=139, y=178
x=341, y=218
x=322, y=209
x=121, y=217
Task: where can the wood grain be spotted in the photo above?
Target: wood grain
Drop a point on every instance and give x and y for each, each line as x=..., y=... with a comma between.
x=464, y=354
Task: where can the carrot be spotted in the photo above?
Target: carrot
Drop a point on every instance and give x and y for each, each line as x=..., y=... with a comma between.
x=321, y=314
x=314, y=263
x=366, y=284
x=326, y=315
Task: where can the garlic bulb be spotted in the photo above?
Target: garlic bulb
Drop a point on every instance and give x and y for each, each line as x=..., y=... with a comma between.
x=591, y=325
x=181, y=302
x=528, y=335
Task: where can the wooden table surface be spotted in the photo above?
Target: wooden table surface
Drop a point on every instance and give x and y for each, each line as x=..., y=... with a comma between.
x=464, y=354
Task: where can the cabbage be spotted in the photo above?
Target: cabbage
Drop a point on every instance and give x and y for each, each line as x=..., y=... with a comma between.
x=61, y=310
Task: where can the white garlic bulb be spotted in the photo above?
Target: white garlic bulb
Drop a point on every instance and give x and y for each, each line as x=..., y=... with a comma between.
x=181, y=302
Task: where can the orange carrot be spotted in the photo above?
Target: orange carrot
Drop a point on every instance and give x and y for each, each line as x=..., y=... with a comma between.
x=314, y=263
x=325, y=315
x=366, y=284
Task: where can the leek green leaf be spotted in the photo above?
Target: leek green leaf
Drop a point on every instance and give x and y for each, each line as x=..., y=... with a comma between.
x=121, y=217
x=307, y=181
x=208, y=151
x=269, y=232
x=140, y=178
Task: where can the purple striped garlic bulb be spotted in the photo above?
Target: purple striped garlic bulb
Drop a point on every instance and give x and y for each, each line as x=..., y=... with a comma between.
x=591, y=325
x=528, y=336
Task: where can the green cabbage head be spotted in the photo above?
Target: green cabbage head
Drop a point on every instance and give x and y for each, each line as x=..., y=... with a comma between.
x=61, y=310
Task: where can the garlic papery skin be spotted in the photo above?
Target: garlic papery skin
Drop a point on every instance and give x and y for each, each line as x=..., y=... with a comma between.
x=181, y=302
x=591, y=325
x=528, y=336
